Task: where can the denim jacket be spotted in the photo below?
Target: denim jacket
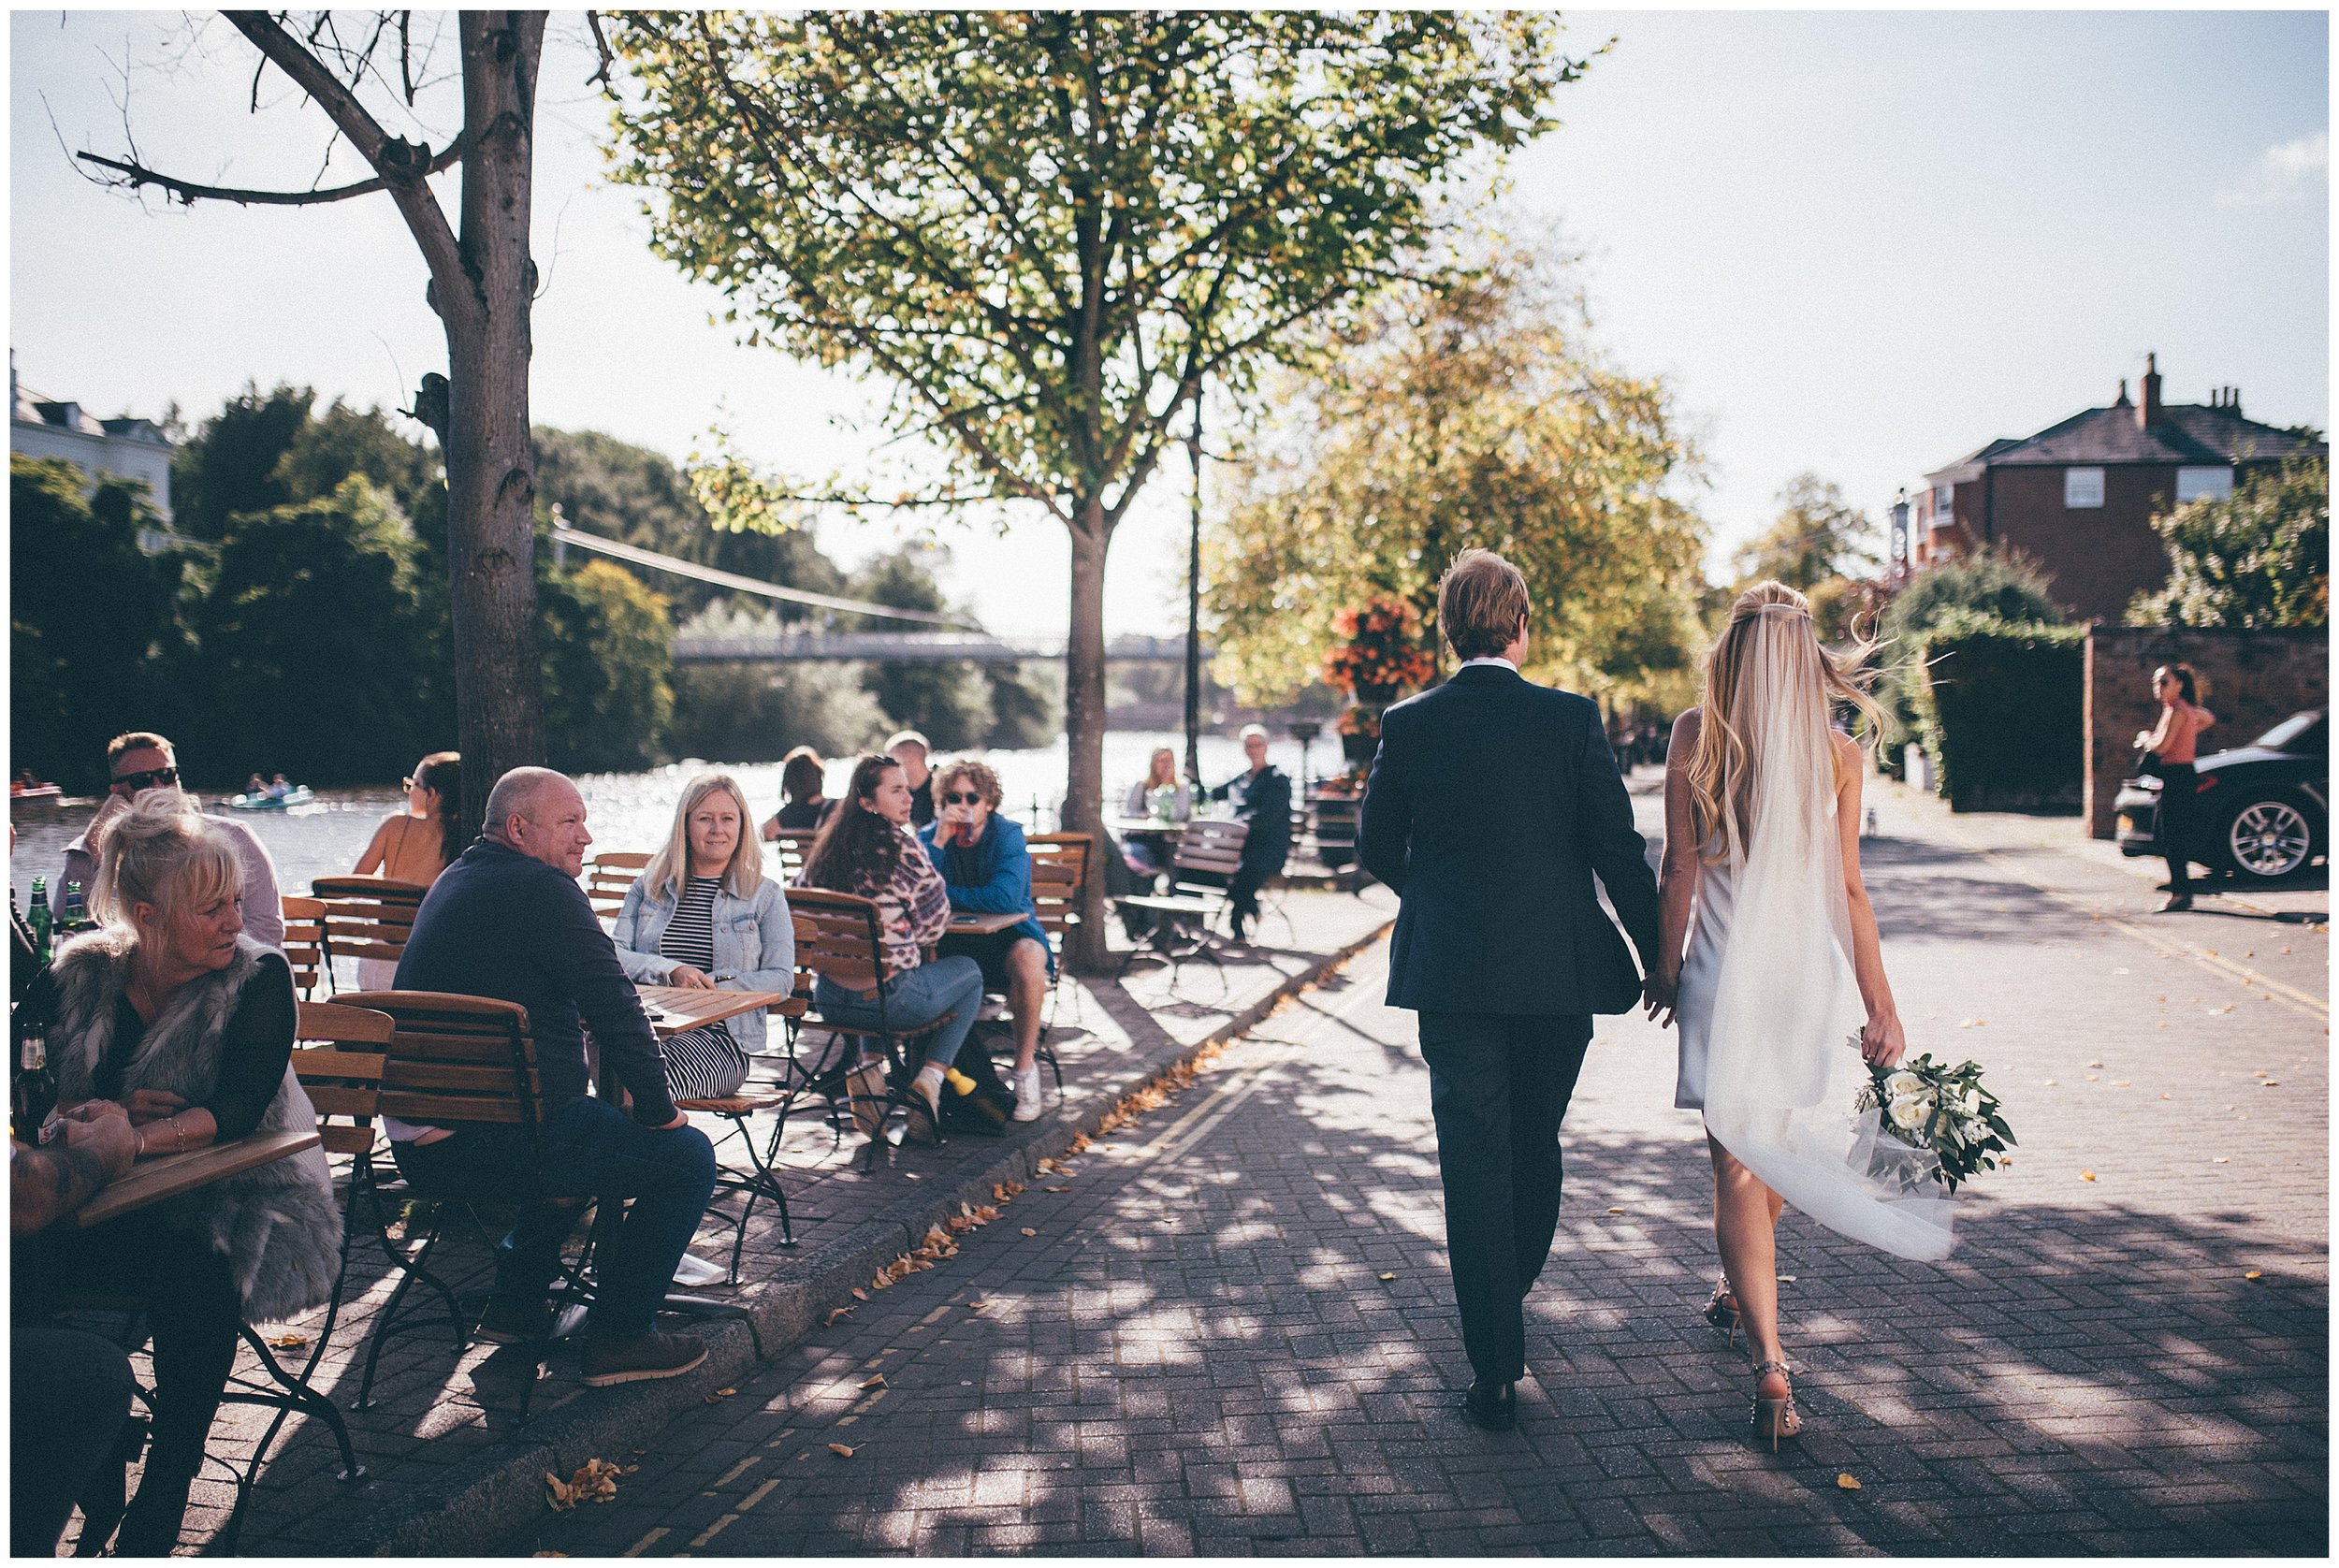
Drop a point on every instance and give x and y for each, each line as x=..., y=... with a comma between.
x=755, y=944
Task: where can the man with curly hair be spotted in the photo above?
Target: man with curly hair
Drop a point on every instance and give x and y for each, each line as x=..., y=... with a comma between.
x=985, y=862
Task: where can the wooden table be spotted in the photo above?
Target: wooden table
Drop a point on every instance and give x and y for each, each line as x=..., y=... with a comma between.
x=976, y=923
x=165, y=1176
x=676, y=1010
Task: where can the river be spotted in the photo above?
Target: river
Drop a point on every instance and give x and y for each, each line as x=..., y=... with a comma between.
x=635, y=810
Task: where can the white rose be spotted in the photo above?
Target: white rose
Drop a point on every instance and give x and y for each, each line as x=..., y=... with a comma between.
x=1972, y=1105
x=1904, y=1085
x=1910, y=1114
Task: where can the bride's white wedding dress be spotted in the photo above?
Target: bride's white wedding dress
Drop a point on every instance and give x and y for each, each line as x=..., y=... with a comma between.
x=1768, y=1002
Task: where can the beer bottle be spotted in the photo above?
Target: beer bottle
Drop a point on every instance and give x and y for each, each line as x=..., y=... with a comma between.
x=33, y=1107
x=73, y=918
x=38, y=920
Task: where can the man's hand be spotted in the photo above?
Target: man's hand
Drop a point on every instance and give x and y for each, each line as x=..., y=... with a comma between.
x=685, y=976
x=1658, y=995
x=153, y=1105
x=108, y=1138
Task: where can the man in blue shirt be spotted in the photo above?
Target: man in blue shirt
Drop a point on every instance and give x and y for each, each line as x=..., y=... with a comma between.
x=508, y=920
x=987, y=866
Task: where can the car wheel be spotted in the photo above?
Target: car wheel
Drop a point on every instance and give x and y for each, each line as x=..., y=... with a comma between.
x=2264, y=838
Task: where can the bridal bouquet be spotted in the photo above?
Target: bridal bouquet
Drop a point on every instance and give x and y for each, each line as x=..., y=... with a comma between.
x=1928, y=1106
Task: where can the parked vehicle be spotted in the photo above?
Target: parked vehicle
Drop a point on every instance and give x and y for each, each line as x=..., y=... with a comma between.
x=2264, y=812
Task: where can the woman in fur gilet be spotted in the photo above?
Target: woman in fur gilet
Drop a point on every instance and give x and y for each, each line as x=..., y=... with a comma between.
x=172, y=1011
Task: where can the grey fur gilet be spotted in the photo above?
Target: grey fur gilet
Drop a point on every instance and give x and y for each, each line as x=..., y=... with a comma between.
x=277, y=1223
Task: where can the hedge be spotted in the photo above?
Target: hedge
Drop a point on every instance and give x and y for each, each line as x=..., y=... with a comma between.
x=2002, y=710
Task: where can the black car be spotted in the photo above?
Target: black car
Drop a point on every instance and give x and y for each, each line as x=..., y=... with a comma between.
x=2264, y=807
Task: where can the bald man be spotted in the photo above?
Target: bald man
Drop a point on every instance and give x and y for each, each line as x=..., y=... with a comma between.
x=508, y=920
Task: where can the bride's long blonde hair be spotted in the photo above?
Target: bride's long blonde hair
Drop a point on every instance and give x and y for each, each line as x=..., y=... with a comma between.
x=1770, y=632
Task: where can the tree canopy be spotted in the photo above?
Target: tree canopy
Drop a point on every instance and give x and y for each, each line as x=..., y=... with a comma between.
x=2260, y=557
x=1473, y=414
x=1817, y=535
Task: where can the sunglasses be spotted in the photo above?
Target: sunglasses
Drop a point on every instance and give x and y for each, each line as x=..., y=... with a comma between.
x=954, y=798
x=149, y=779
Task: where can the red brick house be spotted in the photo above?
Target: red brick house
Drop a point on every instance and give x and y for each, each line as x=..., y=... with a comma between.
x=2078, y=496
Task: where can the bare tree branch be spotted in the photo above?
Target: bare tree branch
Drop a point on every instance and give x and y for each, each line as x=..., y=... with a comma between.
x=601, y=43
x=134, y=176
x=399, y=163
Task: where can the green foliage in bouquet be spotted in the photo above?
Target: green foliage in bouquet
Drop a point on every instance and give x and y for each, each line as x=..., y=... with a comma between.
x=1927, y=1105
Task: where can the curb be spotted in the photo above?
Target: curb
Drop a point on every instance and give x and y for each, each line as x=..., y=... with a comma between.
x=500, y=1493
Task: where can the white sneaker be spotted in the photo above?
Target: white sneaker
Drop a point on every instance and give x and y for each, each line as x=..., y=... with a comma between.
x=1028, y=1095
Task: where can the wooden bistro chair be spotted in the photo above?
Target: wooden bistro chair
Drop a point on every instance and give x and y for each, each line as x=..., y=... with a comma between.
x=304, y=945
x=1209, y=848
x=608, y=875
x=450, y=1058
x=759, y=1181
x=838, y=938
x=364, y=917
x=791, y=846
x=1061, y=865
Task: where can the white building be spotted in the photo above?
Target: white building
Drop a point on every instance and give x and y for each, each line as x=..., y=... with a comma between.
x=126, y=448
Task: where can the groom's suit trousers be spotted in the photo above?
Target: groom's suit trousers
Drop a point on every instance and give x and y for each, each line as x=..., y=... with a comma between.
x=1499, y=1085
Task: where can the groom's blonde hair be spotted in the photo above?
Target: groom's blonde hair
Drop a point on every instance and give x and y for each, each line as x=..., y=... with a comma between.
x=1480, y=602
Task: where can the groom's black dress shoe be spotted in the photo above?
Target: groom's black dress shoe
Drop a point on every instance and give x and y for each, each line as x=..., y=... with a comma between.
x=1492, y=1405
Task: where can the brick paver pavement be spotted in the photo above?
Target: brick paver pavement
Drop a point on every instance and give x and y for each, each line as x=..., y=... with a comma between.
x=1227, y=1329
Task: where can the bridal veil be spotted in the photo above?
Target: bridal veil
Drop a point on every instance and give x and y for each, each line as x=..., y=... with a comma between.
x=1781, y=1077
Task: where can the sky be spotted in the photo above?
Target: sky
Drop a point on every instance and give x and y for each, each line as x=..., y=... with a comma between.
x=1860, y=244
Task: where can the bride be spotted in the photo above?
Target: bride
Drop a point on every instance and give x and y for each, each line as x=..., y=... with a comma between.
x=1762, y=857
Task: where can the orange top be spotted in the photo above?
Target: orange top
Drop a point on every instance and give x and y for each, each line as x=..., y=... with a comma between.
x=2180, y=724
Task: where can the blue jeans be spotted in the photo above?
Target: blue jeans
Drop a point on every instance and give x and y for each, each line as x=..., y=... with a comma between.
x=590, y=1149
x=912, y=1000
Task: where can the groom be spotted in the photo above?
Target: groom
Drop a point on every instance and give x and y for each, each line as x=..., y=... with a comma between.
x=1492, y=803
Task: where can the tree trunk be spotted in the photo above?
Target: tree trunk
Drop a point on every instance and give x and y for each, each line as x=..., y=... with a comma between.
x=490, y=465
x=1084, y=724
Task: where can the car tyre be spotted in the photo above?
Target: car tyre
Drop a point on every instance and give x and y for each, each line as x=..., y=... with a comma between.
x=2268, y=834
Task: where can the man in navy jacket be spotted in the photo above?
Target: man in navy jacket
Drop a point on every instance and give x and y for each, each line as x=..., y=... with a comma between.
x=1493, y=805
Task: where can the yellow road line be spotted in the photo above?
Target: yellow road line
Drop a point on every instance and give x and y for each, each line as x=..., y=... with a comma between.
x=647, y=1542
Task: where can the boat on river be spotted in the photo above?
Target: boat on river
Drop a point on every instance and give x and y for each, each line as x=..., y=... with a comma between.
x=299, y=795
x=29, y=787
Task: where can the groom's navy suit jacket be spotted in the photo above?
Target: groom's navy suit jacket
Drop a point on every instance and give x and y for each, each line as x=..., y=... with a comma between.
x=1492, y=803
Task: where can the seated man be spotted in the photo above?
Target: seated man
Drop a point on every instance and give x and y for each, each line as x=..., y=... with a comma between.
x=141, y=761
x=987, y=867
x=508, y=920
x=1262, y=798
x=68, y=1391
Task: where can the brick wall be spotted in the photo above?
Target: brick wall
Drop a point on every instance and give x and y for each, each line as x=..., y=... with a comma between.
x=2248, y=679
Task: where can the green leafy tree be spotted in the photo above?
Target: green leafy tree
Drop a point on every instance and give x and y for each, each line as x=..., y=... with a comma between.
x=2259, y=557
x=1817, y=535
x=230, y=464
x=608, y=669
x=948, y=702
x=92, y=626
x=328, y=448
x=1469, y=416
x=315, y=643
x=2003, y=588
x=757, y=713
x=1049, y=230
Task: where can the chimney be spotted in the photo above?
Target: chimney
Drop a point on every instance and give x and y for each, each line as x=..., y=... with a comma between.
x=2233, y=401
x=2123, y=402
x=2148, y=412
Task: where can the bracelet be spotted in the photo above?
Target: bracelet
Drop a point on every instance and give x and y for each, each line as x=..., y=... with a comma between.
x=141, y=1146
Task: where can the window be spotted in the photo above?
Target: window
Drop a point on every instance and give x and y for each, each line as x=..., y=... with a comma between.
x=1942, y=498
x=2083, y=486
x=2194, y=483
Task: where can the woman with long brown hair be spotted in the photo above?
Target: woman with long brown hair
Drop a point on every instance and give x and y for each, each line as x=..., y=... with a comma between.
x=2171, y=747
x=1761, y=881
x=422, y=840
x=867, y=849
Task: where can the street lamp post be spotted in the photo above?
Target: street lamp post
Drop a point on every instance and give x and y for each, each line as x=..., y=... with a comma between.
x=1193, y=609
x=1900, y=538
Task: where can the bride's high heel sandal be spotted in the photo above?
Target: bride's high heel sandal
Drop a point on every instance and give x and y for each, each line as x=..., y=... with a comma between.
x=1721, y=1311
x=1775, y=1419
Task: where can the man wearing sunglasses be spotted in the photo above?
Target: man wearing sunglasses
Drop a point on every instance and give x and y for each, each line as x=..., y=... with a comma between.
x=141, y=761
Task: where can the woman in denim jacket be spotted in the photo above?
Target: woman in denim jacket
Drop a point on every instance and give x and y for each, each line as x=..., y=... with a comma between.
x=703, y=914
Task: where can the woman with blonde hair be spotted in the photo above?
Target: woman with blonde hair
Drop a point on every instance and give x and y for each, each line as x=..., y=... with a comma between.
x=702, y=913
x=1761, y=877
x=170, y=1010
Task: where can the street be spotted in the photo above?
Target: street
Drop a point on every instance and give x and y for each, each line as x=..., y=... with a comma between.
x=1226, y=1328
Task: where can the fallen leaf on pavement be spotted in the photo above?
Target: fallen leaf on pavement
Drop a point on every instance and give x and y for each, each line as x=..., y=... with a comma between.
x=2050, y=1083
x=2094, y=1064
x=2087, y=1175
x=289, y=1342
x=1848, y=1481
x=2271, y=1084
x=836, y=1312
x=1029, y=1231
x=1059, y=1189
x=1615, y=1211
x=1786, y=1279
x=1971, y=1023
x=981, y=1306
x=841, y=1451
x=2119, y=1083
x=1389, y=1276
x=859, y=1293
x=2221, y=1160
x=874, y=1380
x=2253, y=1274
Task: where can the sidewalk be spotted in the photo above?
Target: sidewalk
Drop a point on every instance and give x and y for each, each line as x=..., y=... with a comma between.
x=1227, y=1329
x=449, y=1468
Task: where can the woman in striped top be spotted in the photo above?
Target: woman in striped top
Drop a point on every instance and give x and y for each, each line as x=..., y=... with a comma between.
x=866, y=850
x=703, y=914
